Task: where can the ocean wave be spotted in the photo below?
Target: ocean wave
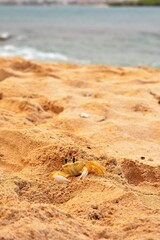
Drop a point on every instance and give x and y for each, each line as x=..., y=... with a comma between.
x=31, y=53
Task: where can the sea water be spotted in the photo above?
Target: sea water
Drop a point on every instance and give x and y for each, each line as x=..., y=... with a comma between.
x=128, y=36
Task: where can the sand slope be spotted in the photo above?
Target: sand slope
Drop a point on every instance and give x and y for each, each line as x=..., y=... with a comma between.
x=42, y=122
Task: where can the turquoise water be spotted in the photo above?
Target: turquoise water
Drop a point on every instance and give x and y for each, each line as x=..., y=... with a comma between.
x=128, y=36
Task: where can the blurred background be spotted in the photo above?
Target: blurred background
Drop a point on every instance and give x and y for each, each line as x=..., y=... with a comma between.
x=83, y=32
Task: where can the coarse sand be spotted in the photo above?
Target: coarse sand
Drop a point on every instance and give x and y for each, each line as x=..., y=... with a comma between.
x=53, y=111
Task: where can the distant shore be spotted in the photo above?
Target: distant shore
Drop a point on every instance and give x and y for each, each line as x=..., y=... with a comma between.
x=136, y=3
x=82, y=3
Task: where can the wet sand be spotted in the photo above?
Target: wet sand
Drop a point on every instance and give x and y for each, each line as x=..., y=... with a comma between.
x=109, y=114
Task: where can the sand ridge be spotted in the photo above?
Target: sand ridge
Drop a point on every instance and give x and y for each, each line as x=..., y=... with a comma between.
x=42, y=122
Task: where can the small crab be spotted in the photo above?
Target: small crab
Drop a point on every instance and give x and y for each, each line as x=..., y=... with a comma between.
x=77, y=168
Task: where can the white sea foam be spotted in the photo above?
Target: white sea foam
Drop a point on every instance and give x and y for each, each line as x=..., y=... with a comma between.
x=31, y=53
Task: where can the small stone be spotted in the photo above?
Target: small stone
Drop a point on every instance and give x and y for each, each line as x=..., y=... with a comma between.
x=142, y=158
x=84, y=115
x=94, y=206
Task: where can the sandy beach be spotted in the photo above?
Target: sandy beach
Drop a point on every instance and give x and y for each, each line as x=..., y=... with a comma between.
x=108, y=114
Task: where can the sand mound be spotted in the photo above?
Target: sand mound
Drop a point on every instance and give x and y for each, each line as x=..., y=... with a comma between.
x=49, y=112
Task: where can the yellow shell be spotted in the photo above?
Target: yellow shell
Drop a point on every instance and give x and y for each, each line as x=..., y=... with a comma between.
x=95, y=167
x=73, y=169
